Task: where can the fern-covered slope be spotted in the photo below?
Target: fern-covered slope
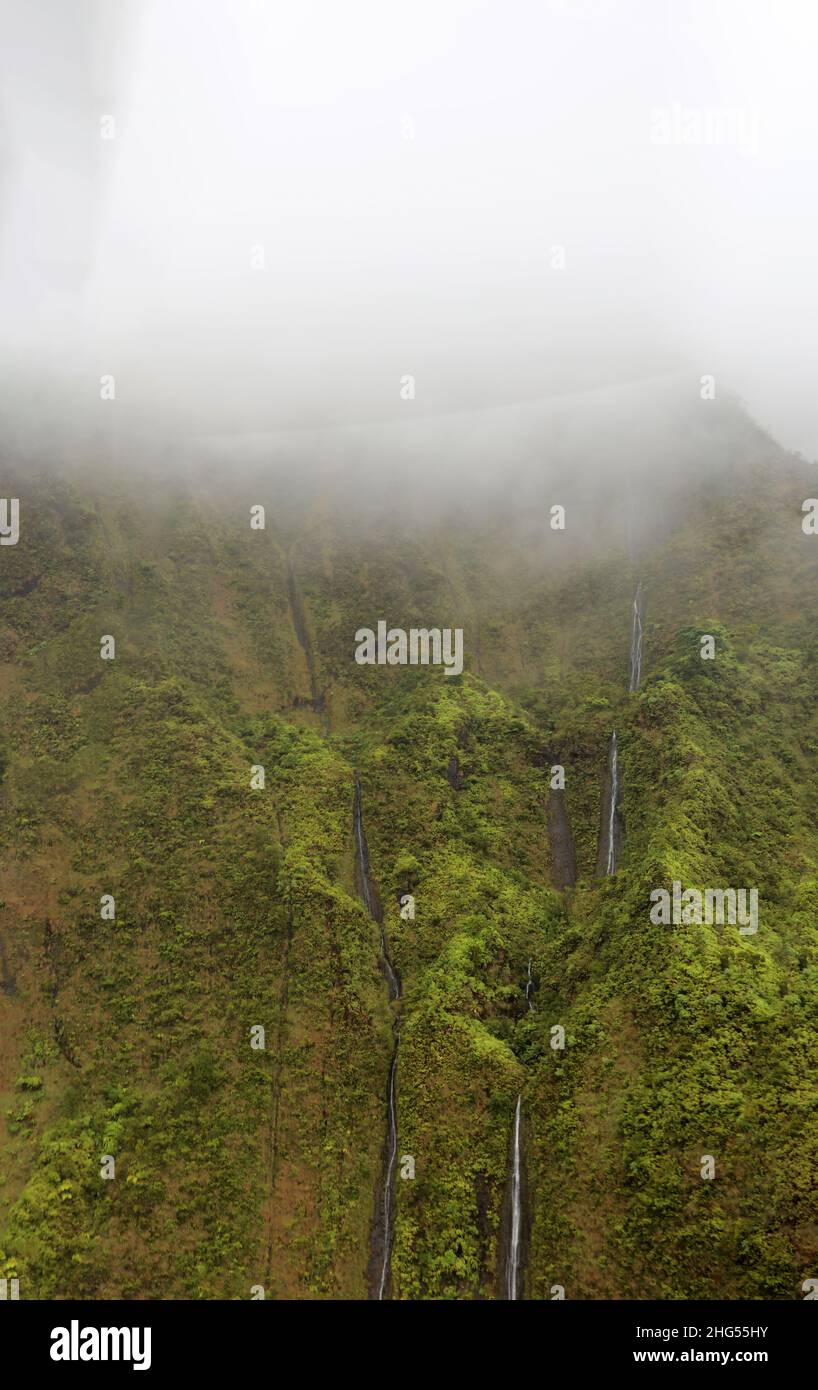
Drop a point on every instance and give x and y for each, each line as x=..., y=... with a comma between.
x=237, y=907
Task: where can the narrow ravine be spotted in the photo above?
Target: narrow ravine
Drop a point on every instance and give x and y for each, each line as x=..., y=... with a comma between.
x=8, y=982
x=278, y=1065
x=383, y=1226
x=51, y=952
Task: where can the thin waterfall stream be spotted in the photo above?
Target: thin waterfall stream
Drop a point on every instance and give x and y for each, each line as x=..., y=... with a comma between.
x=610, y=831
x=636, y=639
x=610, y=862
x=385, y=1221
x=529, y=986
x=516, y=1215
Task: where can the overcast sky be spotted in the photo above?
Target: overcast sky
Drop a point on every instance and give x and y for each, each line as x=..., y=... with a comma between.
x=303, y=202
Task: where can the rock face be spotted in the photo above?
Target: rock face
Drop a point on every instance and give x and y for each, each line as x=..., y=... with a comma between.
x=563, y=859
x=454, y=776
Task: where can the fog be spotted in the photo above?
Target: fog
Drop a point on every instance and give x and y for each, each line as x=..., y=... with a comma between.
x=268, y=222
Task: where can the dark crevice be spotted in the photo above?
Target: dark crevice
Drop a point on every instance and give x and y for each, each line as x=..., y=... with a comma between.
x=60, y=1031
x=454, y=776
x=316, y=700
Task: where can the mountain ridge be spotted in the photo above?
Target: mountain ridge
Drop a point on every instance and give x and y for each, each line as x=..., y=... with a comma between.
x=238, y=907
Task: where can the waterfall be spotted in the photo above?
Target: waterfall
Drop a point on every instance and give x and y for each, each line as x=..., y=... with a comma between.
x=529, y=985
x=610, y=858
x=513, y=1265
x=389, y=1177
x=636, y=640
x=373, y=907
x=364, y=883
x=370, y=900
x=609, y=829
x=610, y=832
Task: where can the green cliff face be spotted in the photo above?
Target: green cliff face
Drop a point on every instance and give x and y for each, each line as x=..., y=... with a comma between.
x=236, y=906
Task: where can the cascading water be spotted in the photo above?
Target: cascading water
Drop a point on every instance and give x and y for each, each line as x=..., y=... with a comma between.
x=362, y=852
x=636, y=640
x=370, y=901
x=610, y=831
x=529, y=985
x=389, y=1178
x=373, y=907
x=513, y=1261
x=613, y=762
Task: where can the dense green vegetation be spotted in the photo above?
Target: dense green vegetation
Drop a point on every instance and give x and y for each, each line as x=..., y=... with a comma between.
x=236, y=906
